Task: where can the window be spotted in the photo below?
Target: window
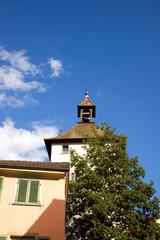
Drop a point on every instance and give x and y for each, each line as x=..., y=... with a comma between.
x=72, y=176
x=3, y=237
x=43, y=238
x=27, y=237
x=65, y=148
x=28, y=192
x=1, y=183
x=86, y=115
x=23, y=238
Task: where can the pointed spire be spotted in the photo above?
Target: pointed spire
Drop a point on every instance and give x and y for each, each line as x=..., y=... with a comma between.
x=87, y=92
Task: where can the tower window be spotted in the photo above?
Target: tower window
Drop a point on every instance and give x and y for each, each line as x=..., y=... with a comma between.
x=72, y=176
x=86, y=115
x=65, y=149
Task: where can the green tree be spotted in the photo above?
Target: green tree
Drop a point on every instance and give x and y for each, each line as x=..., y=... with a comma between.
x=109, y=199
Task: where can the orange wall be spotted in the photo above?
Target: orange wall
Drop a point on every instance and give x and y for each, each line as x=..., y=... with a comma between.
x=47, y=220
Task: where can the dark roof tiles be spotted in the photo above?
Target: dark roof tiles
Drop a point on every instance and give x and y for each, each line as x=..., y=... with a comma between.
x=78, y=131
x=33, y=165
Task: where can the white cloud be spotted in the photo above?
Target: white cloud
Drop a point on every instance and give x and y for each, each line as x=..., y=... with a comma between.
x=13, y=79
x=17, y=74
x=23, y=144
x=56, y=67
x=19, y=61
x=15, y=102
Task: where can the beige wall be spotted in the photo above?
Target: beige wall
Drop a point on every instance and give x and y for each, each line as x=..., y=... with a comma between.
x=47, y=220
x=58, y=156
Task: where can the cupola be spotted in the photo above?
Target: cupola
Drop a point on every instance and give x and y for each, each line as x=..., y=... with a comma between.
x=86, y=109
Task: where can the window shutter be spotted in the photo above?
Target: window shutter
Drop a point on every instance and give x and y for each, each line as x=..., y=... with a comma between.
x=1, y=182
x=28, y=192
x=33, y=197
x=22, y=191
x=1, y=186
x=3, y=237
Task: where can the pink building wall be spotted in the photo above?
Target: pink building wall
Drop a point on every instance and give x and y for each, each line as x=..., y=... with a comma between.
x=47, y=220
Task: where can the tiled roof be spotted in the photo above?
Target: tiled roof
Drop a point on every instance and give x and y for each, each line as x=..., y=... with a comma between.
x=78, y=131
x=86, y=102
x=74, y=134
x=33, y=165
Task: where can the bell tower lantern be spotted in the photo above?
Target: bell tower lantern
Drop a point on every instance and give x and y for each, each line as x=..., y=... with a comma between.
x=86, y=109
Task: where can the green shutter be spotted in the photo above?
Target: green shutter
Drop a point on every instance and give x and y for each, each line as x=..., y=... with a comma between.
x=1, y=183
x=22, y=191
x=3, y=237
x=33, y=196
x=27, y=192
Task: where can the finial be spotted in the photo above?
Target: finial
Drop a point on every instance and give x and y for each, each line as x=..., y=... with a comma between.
x=61, y=132
x=87, y=91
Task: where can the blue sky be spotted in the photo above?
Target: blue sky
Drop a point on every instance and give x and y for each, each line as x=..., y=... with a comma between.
x=50, y=51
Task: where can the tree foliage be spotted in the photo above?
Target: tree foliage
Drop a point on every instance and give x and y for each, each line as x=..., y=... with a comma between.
x=109, y=199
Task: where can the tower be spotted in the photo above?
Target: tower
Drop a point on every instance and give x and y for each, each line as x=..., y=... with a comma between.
x=86, y=109
x=59, y=147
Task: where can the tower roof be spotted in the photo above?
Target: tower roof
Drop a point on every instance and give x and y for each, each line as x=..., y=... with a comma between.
x=86, y=102
x=78, y=131
x=74, y=134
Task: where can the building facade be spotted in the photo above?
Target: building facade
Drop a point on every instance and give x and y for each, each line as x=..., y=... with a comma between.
x=33, y=195
x=33, y=198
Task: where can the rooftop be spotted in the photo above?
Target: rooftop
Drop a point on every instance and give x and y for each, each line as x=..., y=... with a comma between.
x=86, y=102
x=74, y=134
x=78, y=131
x=33, y=165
